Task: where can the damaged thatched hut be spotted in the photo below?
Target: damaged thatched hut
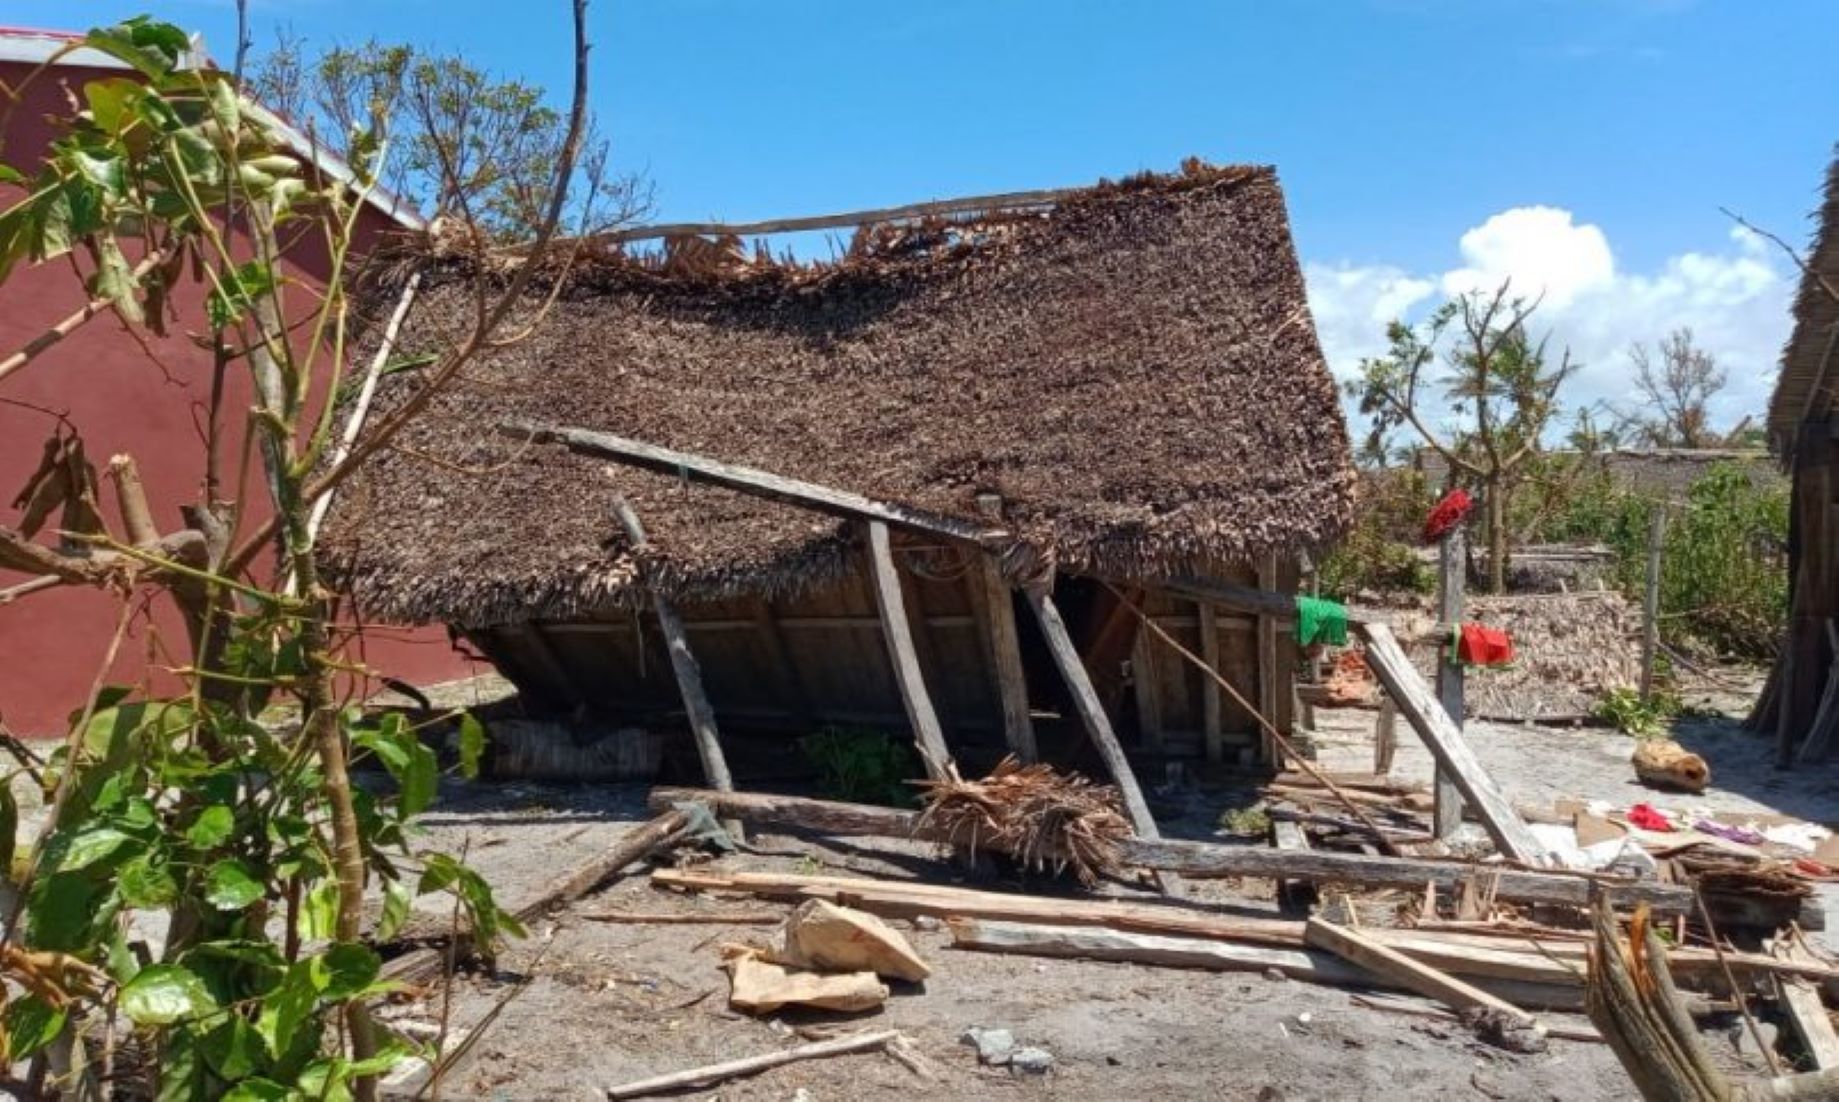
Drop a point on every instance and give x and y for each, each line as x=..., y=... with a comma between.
x=1126, y=377
x=1801, y=702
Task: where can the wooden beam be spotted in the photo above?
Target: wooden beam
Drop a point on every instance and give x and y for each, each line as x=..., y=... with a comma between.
x=1441, y=735
x=751, y=480
x=967, y=205
x=1097, y=724
x=1806, y=1010
x=1212, y=723
x=1289, y=837
x=994, y=601
x=927, y=734
x=1270, y=685
x=1402, y=971
x=1210, y=859
x=1452, y=573
x=1385, y=735
x=696, y=706
x=1146, y=682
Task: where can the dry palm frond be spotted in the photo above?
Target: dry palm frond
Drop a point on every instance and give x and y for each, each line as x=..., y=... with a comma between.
x=1045, y=819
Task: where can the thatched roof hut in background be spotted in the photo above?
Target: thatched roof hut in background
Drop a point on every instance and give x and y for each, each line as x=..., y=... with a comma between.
x=1801, y=429
x=1132, y=370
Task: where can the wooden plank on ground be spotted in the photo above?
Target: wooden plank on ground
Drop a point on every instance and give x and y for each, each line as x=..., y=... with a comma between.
x=1452, y=752
x=1806, y=1010
x=1392, y=965
x=1209, y=859
x=903, y=655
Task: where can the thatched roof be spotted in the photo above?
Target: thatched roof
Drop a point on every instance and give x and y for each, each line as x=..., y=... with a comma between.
x=1134, y=371
x=1809, y=379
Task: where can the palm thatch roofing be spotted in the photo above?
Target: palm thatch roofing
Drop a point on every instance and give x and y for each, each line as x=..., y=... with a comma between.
x=1809, y=378
x=1135, y=372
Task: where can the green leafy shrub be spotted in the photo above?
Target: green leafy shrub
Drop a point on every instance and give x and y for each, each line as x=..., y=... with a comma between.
x=1380, y=552
x=1624, y=710
x=863, y=766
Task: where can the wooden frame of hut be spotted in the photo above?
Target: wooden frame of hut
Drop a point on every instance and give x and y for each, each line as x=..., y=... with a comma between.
x=1125, y=379
x=1800, y=703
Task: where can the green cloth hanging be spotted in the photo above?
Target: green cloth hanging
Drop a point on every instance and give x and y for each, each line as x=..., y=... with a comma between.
x=1320, y=621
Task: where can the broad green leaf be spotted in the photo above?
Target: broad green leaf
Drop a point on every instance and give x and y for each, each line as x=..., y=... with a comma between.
x=212, y=828
x=65, y=909
x=88, y=846
x=420, y=780
x=319, y=911
x=229, y=887
x=396, y=899
x=115, y=280
x=348, y=968
x=144, y=883
x=472, y=745
x=109, y=102
x=288, y=1006
x=31, y=1024
x=325, y=1079
x=161, y=994
x=11, y=175
x=154, y=48
x=226, y=106
x=101, y=168
x=183, y=1074
x=234, y=1050
x=258, y=1090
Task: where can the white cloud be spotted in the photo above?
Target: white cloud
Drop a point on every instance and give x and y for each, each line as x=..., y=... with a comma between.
x=1735, y=298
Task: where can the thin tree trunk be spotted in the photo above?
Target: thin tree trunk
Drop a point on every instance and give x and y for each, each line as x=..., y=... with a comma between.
x=1497, y=536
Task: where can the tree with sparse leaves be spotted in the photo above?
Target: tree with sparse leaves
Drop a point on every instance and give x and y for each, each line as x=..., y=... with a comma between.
x=1677, y=381
x=1499, y=390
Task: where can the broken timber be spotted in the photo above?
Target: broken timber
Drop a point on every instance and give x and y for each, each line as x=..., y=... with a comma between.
x=683, y=664
x=717, y=1073
x=1211, y=860
x=1390, y=964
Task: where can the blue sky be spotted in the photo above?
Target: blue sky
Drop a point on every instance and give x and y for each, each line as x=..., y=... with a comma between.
x=1582, y=146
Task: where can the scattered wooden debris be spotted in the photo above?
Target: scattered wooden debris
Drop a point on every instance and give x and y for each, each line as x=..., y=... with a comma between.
x=823, y=936
x=1806, y=1012
x=692, y=918
x=1042, y=817
x=761, y=986
x=734, y=1069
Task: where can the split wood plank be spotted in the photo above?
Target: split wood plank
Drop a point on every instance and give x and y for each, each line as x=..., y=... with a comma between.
x=683, y=664
x=903, y=655
x=1452, y=572
x=1097, y=724
x=1212, y=723
x=995, y=604
x=1289, y=837
x=1385, y=735
x=1270, y=684
x=1441, y=735
x=1212, y=860
x=752, y=1065
x=752, y=480
x=1806, y=1010
x=1390, y=964
x=1309, y=965
x=666, y=830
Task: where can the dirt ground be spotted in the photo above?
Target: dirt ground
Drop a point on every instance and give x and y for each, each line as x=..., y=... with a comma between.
x=587, y=1005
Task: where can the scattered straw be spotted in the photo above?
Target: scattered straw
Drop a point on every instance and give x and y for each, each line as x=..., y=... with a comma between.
x=1046, y=819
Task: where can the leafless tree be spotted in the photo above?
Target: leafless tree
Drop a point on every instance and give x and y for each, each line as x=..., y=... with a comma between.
x=1677, y=381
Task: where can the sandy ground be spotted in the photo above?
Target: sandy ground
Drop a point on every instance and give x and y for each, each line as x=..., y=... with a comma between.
x=593, y=1004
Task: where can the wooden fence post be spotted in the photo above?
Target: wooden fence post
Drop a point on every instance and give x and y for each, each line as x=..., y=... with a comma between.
x=1650, y=600
x=1452, y=573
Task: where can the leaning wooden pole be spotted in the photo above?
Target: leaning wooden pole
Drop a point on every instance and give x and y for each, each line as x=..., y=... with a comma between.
x=903, y=655
x=683, y=664
x=1452, y=572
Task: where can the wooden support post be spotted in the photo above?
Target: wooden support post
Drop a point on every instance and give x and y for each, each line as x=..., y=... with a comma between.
x=1097, y=725
x=1273, y=675
x=696, y=706
x=1385, y=735
x=1452, y=572
x=1650, y=600
x=1211, y=724
x=1446, y=744
x=1147, y=679
x=902, y=655
x=996, y=609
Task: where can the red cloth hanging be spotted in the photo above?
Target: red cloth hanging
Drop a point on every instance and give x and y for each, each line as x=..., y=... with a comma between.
x=1483, y=646
x=1447, y=514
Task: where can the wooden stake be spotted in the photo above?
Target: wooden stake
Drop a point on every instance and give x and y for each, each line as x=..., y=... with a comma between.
x=751, y=1065
x=1452, y=571
x=1444, y=739
x=903, y=655
x=995, y=604
x=1650, y=600
x=1385, y=735
x=696, y=706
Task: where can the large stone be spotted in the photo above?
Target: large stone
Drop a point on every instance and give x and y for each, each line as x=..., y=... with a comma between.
x=829, y=938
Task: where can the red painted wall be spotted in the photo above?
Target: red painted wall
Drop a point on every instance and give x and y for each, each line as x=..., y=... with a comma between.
x=122, y=401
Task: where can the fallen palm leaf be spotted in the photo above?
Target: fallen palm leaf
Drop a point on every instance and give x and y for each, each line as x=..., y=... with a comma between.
x=1046, y=819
